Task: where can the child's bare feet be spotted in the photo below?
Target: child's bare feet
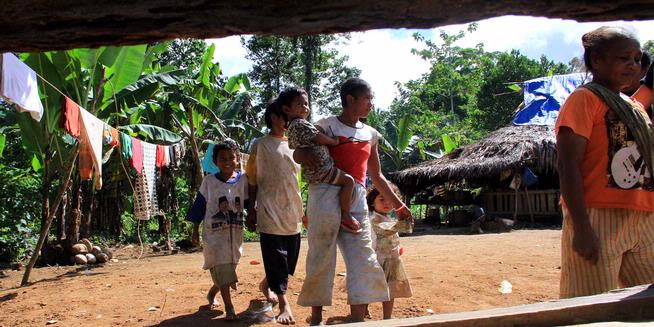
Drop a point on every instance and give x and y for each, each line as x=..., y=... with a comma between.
x=350, y=224
x=285, y=316
x=211, y=297
x=270, y=295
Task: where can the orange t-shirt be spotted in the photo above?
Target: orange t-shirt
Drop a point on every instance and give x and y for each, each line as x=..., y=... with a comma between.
x=613, y=172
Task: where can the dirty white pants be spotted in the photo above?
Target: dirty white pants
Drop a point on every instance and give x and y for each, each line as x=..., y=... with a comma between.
x=366, y=282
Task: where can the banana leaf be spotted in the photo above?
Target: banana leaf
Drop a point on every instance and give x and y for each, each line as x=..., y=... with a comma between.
x=154, y=134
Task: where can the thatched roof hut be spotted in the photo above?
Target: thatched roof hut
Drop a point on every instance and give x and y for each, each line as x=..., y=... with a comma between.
x=509, y=148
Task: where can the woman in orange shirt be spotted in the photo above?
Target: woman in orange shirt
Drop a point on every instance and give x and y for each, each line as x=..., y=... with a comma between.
x=604, y=143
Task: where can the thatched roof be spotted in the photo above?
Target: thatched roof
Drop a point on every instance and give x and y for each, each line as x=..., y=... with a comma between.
x=509, y=148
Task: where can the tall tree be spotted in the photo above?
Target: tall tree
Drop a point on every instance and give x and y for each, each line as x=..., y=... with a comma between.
x=306, y=61
x=465, y=93
x=182, y=53
x=496, y=101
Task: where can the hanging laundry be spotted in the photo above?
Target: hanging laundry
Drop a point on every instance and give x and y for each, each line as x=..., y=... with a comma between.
x=106, y=135
x=90, y=154
x=171, y=154
x=126, y=145
x=114, y=142
x=166, y=151
x=180, y=151
x=71, y=120
x=161, y=156
x=149, y=170
x=19, y=86
x=208, y=166
x=137, y=155
x=141, y=199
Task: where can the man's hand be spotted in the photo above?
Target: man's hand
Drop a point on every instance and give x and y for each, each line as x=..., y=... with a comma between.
x=195, y=236
x=307, y=158
x=251, y=220
x=585, y=243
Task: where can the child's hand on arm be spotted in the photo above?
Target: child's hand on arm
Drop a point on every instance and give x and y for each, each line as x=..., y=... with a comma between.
x=324, y=139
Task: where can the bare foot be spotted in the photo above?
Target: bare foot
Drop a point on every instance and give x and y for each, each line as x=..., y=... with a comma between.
x=285, y=316
x=367, y=315
x=270, y=295
x=230, y=314
x=211, y=297
x=316, y=316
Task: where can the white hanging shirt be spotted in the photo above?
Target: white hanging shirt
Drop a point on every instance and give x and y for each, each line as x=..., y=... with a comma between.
x=18, y=86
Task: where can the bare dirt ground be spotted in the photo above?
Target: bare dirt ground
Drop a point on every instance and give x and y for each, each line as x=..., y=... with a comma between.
x=449, y=273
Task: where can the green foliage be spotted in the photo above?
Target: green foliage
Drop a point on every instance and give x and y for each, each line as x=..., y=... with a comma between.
x=498, y=96
x=467, y=92
x=304, y=61
x=649, y=47
x=181, y=54
x=19, y=209
x=448, y=144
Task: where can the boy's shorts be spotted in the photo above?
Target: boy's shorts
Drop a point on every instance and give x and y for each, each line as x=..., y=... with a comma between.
x=223, y=274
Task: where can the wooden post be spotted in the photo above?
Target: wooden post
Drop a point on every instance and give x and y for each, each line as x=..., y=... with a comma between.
x=531, y=212
x=515, y=212
x=53, y=209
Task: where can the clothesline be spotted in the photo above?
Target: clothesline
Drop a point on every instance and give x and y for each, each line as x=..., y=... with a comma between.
x=18, y=85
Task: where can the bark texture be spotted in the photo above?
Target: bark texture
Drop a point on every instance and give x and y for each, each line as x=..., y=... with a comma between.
x=40, y=25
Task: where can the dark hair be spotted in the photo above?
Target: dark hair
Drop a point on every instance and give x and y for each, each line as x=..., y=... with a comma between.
x=374, y=192
x=645, y=61
x=222, y=199
x=287, y=97
x=598, y=40
x=226, y=144
x=273, y=108
x=353, y=86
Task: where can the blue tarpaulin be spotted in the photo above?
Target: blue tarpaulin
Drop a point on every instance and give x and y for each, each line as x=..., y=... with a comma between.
x=544, y=97
x=208, y=165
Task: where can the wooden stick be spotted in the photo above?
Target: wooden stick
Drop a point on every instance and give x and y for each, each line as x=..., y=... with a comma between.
x=45, y=226
x=531, y=212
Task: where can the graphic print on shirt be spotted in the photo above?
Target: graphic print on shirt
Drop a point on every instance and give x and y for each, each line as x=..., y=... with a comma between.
x=226, y=218
x=626, y=169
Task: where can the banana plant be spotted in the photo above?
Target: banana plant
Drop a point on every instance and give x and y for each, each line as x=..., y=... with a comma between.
x=103, y=81
x=205, y=106
x=399, y=147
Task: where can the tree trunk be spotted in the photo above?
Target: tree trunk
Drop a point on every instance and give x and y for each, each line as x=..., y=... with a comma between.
x=87, y=209
x=196, y=152
x=308, y=58
x=72, y=230
x=61, y=221
x=45, y=188
x=46, y=226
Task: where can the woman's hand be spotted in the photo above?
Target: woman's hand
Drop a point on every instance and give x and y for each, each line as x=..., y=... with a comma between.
x=403, y=213
x=585, y=242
